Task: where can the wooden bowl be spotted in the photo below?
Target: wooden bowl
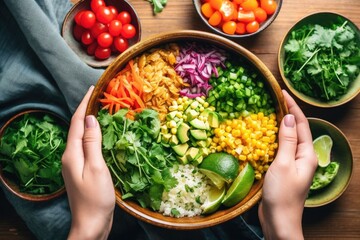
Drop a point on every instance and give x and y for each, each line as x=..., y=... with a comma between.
x=341, y=153
x=10, y=181
x=217, y=30
x=69, y=23
x=324, y=19
x=181, y=36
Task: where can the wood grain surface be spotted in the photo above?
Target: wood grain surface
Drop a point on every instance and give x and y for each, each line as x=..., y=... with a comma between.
x=338, y=220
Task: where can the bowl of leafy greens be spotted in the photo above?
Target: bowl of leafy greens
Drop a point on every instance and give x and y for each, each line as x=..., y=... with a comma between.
x=31, y=145
x=319, y=59
x=335, y=163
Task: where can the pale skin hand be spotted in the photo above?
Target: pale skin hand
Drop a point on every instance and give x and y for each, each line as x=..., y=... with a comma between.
x=289, y=177
x=87, y=178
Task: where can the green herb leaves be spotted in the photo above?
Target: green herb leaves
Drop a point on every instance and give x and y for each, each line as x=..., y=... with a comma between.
x=31, y=150
x=138, y=163
x=322, y=62
x=158, y=5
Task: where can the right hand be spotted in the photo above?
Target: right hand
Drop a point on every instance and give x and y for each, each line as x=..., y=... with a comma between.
x=288, y=178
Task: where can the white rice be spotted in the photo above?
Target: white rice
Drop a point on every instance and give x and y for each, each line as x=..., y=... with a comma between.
x=186, y=199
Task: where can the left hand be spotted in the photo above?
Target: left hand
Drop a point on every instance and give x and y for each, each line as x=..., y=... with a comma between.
x=87, y=179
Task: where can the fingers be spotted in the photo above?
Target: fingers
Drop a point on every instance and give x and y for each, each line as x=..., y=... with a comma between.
x=73, y=158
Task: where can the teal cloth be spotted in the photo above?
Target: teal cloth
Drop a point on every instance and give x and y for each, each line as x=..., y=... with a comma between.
x=39, y=71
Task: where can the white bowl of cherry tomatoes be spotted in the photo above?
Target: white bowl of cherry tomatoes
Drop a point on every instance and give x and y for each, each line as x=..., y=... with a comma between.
x=237, y=18
x=99, y=30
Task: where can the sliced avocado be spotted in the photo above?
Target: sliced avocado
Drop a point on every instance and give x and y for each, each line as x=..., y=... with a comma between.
x=182, y=159
x=171, y=115
x=197, y=160
x=198, y=134
x=182, y=132
x=174, y=140
x=180, y=149
x=165, y=138
x=192, y=114
x=205, y=113
x=201, y=143
x=213, y=120
x=192, y=153
x=197, y=123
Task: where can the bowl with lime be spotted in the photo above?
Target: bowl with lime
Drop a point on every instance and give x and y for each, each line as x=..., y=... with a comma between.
x=189, y=122
x=335, y=163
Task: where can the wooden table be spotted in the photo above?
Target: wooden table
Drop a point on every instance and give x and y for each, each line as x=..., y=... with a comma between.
x=338, y=220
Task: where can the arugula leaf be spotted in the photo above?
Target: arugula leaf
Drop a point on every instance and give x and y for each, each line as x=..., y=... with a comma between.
x=158, y=5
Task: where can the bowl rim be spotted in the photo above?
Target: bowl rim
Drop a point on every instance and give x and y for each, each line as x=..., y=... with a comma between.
x=343, y=136
x=8, y=182
x=186, y=223
x=307, y=99
x=263, y=26
x=97, y=63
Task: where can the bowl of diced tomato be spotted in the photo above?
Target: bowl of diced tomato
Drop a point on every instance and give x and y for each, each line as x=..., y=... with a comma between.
x=238, y=18
x=99, y=30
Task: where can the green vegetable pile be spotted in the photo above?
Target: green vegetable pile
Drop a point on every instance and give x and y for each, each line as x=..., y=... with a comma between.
x=158, y=5
x=30, y=152
x=139, y=165
x=324, y=176
x=321, y=62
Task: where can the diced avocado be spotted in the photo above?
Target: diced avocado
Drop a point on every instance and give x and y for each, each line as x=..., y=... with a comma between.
x=197, y=160
x=201, y=143
x=213, y=120
x=180, y=149
x=182, y=159
x=208, y=141
x=198, y=134
x=192, y=153
x=192, y=114
x=165, y=138
x=196, y=123
x=171, y=115
x=182, y=132
x=205, y=113
x=204, y=151
x=174, y=140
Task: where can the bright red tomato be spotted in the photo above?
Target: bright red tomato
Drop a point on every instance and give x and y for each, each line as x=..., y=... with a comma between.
x=86, y=38
x=91, y=49
x=98, y=28
x=121, y=44
x=105, y=40
x=128, y=31
x=124, y=17
x=104, y=15
x=78, y=31
x=115, y=27
x=87, y=19
x=95, y=4
x=78, y=17
x=102, y=53
x=113, y=10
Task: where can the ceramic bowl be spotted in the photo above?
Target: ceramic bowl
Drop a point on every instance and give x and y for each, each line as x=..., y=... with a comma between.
x=78, y=48
x=11, y=181
x=324, y=19
x=222, y=215
x=218, y=30
x=341, y=152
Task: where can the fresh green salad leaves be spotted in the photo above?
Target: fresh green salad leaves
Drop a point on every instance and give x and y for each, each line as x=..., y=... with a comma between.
x=324, y=175
x=322, y=62
x=139, y=165
x=158, y=5
x=31, y=150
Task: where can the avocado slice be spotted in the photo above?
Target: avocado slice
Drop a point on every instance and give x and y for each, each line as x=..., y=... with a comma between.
x=198, y=134
x=213, y=119
x=197, y=123
x=180, y=149
x=192, y=153
x=182, y=132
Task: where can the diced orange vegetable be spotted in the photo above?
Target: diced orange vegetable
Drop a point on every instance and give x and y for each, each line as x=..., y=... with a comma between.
x=227, y=10
x=246, y=16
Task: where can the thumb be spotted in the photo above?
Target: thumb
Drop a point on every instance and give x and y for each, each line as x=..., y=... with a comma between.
x=92, y=141
x=288, y=140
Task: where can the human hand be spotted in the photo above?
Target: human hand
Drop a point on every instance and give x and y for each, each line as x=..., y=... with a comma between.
x=288, y=179
x=87, y=179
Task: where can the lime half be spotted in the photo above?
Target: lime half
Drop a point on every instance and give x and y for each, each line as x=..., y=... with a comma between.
x=214, y=200
x=240, y=187
x=322, y=148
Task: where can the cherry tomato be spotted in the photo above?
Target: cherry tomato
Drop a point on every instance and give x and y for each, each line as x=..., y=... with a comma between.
x=245, y=16
x=104, y=15
x=269, y=6
x=115, y=27
x=105, y=40
x=240, y=28
x=113, y=10
x=124, y=17
x=252, y=27
x=95, y=4
x=91, y=48
x=238, y=1
x=78, y=31
x=249, y=5
x=87, y=38
x=216, y=4
x=78, y=17
x=207, y=10
x=215, y=19
x=87, y=19
x=128, y=31
x=121, y=44
x=98, y=28
x=102, y=53
x=227, y=10
x=260, y=15
x=229, y=27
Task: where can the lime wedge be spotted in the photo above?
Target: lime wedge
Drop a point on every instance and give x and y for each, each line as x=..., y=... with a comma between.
x=214, y=200
x=240, y=187
x=322, y=148
x=215, y=178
